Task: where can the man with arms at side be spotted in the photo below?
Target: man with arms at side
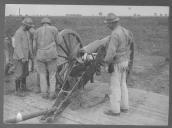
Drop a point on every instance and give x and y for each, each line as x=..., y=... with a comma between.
x=117, y=57
x=45, y=42
x=22, y=52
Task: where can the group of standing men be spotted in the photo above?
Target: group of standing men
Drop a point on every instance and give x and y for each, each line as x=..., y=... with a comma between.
x=41, y=44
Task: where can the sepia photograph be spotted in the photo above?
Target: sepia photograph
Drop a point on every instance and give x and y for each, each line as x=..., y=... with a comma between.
x=86, y=64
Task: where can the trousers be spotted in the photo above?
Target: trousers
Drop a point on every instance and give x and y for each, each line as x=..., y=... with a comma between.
x=47, y=73
x=118, y=88
x=20, y=74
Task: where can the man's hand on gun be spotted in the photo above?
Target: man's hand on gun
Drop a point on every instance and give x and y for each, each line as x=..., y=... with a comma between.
x=88, y=57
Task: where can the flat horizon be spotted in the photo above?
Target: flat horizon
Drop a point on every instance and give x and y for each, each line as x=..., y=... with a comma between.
x=94, y=10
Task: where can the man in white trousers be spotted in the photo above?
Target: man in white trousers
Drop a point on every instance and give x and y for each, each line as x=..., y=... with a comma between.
x=117, y=57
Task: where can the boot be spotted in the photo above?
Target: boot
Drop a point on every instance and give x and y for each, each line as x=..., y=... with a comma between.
x=124, y=110
x=52, y=96
x=92, y=79
x=111, y=113
x=17, y=84
x=44, y=95
x=37, y=89
x=21, y=89
x=21, y=93
x=24, y=84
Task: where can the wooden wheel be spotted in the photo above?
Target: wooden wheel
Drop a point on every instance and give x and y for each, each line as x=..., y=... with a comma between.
x=71, y=43
x=68, y=50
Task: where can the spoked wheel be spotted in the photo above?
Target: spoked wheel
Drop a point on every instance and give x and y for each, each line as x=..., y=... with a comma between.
x=71, y=43
x=69, y=47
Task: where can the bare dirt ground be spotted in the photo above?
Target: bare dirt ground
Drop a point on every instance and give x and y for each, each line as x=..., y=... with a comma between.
x=150, y=107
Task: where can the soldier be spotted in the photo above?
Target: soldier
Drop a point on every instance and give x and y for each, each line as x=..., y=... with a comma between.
x=22, y=52
x=117, y=57
x=45, y=42
x=32, y=62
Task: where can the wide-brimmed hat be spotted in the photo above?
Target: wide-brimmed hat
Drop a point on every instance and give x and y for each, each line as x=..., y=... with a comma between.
x=111, y=17
x=45, y=20
x=28, y=22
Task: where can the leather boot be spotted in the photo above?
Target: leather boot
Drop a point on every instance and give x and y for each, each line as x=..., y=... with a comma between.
x=52, y=95
x=20, y=91
x=37, y=89
x=17, y=84
x=44, y=95
x=24, y=84
x=111, y=113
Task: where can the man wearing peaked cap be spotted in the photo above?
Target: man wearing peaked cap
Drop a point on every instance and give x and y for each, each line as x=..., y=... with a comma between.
x=46, y=40
x=118, y=48
x=22, y=53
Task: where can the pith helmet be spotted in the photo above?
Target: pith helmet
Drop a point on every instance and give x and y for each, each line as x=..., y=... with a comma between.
x=45, y=20
x=28, y=22
x=111, y=17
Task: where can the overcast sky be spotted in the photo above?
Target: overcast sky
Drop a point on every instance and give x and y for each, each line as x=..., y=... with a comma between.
x=87, y=10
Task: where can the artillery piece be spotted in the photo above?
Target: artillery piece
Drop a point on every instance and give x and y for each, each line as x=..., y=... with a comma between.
x=72, y=75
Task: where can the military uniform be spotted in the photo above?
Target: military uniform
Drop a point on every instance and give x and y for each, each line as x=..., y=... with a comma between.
x=46, y=39
x=22, y=52
x=117, y=56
